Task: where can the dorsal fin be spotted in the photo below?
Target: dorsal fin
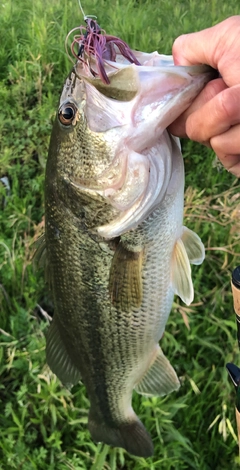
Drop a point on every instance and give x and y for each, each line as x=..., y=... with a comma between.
x=58, y=358
x=40, y=259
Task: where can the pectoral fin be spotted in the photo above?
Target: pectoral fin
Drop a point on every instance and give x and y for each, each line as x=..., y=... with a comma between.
x=125, y=282
x=181, y=273
x=160, y=378
x=188, y=249
x=58, y=358
x=193, y=245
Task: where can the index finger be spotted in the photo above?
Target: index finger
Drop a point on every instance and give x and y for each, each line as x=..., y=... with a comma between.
x=216, y=116
x=178, y=127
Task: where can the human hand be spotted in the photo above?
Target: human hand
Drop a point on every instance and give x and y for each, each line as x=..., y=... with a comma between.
x=214, y=117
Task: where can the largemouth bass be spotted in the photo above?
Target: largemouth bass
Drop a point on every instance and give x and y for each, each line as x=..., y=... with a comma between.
x=117, y=251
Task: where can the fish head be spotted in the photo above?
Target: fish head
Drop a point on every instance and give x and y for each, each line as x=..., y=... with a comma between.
x=114, y=146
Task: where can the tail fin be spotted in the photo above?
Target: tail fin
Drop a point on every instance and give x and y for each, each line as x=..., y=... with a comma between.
x=132, y=436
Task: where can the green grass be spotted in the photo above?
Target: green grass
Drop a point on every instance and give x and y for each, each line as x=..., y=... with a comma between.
x=42, y=424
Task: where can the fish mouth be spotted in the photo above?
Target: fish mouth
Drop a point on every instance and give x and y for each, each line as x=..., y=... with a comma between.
x=203, y=68
x=102, y=55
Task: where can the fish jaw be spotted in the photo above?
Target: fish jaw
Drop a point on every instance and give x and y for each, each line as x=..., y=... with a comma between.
x=165, y=93
x=162, y=93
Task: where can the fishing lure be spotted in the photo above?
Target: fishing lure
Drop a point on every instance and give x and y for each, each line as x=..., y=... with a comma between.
x=94, y=44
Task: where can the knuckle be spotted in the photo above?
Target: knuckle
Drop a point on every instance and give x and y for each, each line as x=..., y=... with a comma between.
x=233, y=20
x=192, y=129
x=178, y=48
x=230, y=25
x=178, y=42
x=213, y=88
x=215, y=146
x=227, y=105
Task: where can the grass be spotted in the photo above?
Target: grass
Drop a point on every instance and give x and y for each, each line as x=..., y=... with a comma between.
x=42, y=424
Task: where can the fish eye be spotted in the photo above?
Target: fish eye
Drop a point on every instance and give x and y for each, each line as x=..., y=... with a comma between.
x=67, y=113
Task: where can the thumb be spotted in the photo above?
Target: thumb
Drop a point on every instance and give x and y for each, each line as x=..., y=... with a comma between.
x=217, y=46
x=194, y=48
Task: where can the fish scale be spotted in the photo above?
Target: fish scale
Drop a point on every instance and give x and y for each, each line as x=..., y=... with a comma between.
x=116, y=249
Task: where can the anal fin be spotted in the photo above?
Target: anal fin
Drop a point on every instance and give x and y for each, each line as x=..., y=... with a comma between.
x=125, y=282
x=58, y=358
x=160, y=379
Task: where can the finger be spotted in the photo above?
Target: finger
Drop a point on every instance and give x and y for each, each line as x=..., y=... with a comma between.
x=227, y=148
x=216, y=46
x=190, y=49
x=212, y=88
x=216, y=116
x=232, y=164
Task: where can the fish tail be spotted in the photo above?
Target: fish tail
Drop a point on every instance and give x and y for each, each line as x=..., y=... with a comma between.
x=131, y=435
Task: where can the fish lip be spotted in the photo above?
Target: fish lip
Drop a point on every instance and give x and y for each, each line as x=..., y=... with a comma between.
x=203, y=69
x=74, y=71
x=192, y=70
